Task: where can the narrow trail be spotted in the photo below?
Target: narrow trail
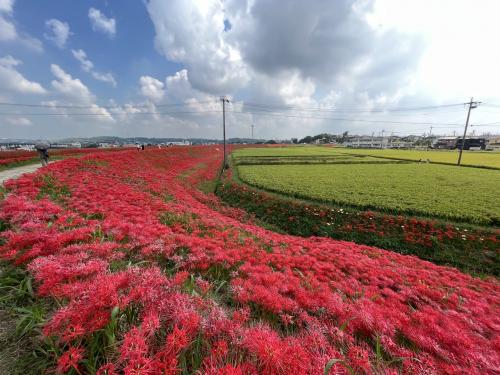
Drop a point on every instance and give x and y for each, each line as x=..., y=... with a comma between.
x=9, y=351
x=17, y=172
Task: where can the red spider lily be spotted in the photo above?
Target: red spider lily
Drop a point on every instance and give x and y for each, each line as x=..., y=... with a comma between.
x=70, y=359
x=129, y=234
x=107, y=369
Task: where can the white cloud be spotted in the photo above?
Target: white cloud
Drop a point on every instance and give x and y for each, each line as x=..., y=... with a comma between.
x=335, y=55
x=58, y=32
x=12, y=80
x=105, y=77
x=8, y=32
x=73, y=91
x=9, y=61
x=459, y=59
x=19, y=121
x=102, y=23
x=6, y=6
x=7, y=28
x=81, y=56
x=199, y=42
x=88, y=67
x=151, y=88
x=31, y=43
x=69, y=86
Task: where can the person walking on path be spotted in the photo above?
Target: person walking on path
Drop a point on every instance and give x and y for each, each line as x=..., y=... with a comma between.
x=43, y=151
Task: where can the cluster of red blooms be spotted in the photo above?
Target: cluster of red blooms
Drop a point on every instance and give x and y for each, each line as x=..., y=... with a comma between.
x=19, y=156
x=198, y=287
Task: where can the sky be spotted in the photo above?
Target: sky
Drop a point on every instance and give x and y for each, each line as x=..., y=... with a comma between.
x=291, y=68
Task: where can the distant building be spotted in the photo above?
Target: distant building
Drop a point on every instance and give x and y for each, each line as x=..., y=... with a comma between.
x=366, y=142
x=182, y=143
x=493, y=144
x=446, y=143
x=472, y=144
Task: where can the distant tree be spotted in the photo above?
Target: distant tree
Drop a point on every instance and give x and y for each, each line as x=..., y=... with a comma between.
x=295, y=140
x=90, y=145
x=307, y=139
x=345, y=137
x=271, y=142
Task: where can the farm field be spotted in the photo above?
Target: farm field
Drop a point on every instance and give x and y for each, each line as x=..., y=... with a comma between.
x=119, y=264
x=473, y=158
x=441, y=213
x=460, y=194
x=285, y=151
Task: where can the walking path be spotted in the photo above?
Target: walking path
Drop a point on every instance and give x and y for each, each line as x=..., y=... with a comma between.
x=9, y=350
x=17, y=172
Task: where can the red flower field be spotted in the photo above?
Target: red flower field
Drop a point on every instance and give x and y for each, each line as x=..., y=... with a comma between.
x=9, y=158
x=149, y=275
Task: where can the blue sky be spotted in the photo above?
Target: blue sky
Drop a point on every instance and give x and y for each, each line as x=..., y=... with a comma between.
x=291, y=68
x=129, y=54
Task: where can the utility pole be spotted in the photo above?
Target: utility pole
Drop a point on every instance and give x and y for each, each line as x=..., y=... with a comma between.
x=372, y=139
x=430, y=134
x=472, y=104
x=252, y=130
x=382, y=140
x=224, y=101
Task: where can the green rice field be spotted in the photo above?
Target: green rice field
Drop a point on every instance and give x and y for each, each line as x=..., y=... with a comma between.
x=470, y=158
x=339, y=176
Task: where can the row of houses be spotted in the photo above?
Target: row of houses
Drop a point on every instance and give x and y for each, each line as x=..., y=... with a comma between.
x=443, y=143
x=472, y=143
x=381, y=142
x=31, y=146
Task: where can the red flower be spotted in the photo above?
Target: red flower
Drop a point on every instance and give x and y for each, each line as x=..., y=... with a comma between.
x=69, y=359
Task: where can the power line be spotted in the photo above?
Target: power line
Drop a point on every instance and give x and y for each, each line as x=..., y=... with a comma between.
x=490, y=124
x=249, y=104
x=342, y=118
x=107, y=114
x=449, y=125
x=350, y=109
x=102, y=106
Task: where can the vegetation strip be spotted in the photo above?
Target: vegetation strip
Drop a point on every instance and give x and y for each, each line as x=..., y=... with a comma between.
x=469, y=248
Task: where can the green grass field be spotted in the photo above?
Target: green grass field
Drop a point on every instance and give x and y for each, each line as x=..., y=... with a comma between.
x=472, y=158
x=431, y=190
x=475, y=158
x=287, y=151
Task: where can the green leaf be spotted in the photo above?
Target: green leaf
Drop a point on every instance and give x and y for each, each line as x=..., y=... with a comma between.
x=334, y=361
x=330, y=364
x=114, y=312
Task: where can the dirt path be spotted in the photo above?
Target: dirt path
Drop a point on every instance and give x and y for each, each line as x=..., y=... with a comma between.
x=11, y=348
x=17, y=172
